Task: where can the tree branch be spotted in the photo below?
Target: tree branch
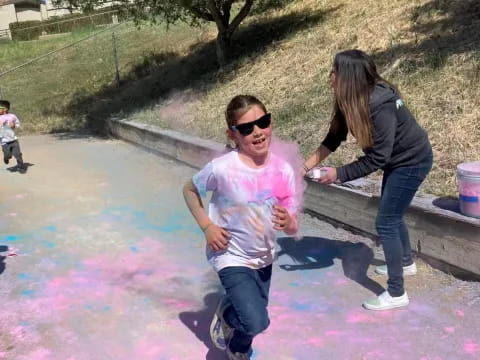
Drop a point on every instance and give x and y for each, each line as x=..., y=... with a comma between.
x=217, y=16
x=198, y=12
x=241, y=15
x=226, y=9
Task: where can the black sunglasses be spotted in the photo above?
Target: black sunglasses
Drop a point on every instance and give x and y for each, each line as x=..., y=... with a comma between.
x=247, y=128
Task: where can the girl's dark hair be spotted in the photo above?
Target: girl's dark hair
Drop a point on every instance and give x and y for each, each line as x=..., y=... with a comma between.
x=355, y=78
x=5, y=104
x=238, y=106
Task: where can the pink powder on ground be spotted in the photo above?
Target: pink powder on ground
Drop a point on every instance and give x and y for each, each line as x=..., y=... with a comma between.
x=471, y=348
x=449, y=330
x=333, y=333
x=107, y=286
x=358, y=318
x=340, y=282
x=315, y=341
x=148, y=350
x=39, y=354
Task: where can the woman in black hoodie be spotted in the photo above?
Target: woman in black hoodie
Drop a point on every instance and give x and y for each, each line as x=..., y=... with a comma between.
x=371, y=109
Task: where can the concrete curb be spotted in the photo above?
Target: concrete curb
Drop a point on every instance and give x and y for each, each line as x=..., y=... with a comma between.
x=442, y=236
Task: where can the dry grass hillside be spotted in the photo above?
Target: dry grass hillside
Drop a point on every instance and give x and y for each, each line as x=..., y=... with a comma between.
x=428, y=48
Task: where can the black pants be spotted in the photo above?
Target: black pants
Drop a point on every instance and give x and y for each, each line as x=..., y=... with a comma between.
x=13, y=149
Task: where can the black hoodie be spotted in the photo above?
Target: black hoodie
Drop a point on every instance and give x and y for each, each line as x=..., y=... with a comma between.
x=398, y=140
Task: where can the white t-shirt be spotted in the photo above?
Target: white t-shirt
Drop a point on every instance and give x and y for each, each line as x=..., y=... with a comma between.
x=241, y=203
x=7, y=134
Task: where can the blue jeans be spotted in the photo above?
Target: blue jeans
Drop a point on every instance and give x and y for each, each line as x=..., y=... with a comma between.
x=399, y=186
x=247, y=293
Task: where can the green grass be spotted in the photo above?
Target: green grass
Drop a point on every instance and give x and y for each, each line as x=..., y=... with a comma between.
x=43, y=92
x=429, y=48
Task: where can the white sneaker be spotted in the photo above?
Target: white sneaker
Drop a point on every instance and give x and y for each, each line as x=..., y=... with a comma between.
x=386, y=302
x=220, y=332
x=237, y=355
x=407, y=270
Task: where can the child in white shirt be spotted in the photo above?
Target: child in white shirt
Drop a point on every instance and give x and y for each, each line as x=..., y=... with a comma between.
x=253, y=196
x=10, y=145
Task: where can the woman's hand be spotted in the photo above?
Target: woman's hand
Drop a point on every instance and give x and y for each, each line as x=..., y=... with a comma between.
x=330, y=176
x=316, y=158
x=283, y=221
x=217, y=237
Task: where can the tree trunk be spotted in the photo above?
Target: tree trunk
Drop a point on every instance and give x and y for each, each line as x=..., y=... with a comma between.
x=224, y=45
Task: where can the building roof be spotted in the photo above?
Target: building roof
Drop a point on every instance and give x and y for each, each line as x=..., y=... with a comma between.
x=30, y=2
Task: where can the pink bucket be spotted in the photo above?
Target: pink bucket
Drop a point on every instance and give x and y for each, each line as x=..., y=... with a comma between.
x=468, y=176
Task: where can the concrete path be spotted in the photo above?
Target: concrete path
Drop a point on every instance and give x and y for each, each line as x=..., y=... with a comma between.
x=101, y=260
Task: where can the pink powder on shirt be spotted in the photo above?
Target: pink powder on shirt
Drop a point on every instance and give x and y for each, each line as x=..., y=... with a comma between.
x=6, y=118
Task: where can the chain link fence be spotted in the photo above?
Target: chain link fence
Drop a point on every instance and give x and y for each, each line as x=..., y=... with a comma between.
x=56, y=82
x=34, y=30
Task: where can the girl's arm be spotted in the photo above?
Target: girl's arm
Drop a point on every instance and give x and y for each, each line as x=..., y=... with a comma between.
x=217, y=238
x=195, y=205
x=283, y=221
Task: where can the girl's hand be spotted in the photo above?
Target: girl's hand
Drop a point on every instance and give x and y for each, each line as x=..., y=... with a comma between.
x=282, y=220
x=330, y=176
x=217, y=237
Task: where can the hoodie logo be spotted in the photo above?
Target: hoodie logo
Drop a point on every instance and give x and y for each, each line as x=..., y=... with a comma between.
x=399, y=103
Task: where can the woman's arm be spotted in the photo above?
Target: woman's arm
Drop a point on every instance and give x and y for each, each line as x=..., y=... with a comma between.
x=318, y=156
x=337, y=133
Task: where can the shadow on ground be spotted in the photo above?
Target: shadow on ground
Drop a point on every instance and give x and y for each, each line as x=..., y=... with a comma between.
x=442, y=28
x=316, y=253
x=199, y=323
x=20, y=170
x=82, y=134
x=3, y=248
x=163, y=74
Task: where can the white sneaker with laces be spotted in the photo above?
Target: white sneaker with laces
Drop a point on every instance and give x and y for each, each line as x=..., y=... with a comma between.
x=220, y=332
x=386, y=302
x=408, y=270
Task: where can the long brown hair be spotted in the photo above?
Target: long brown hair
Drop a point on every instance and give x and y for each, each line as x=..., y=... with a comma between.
x=355, y=78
